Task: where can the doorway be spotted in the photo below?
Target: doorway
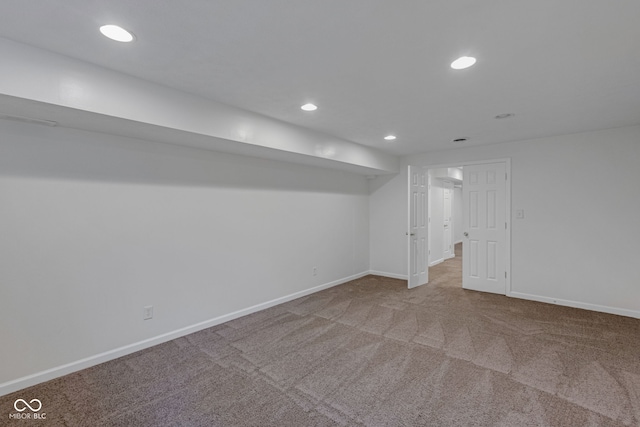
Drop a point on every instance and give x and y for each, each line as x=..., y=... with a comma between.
x=444, y=212
x=469, y=226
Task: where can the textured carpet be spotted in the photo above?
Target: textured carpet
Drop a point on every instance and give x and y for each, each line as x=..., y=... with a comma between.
x=370, y=352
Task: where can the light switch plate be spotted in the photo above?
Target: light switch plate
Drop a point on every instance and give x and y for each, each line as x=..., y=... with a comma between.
x=147, y=313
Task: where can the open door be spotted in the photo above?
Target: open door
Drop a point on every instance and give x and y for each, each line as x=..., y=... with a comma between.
x=417, y=234
x=448, y=221
x=484, y=242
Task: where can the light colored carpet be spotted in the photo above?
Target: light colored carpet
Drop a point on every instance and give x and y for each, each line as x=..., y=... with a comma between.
x=370, y=352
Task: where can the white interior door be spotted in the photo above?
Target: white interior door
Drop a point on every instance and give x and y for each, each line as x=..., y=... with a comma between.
x=484, y=228
x=417, y=233
x=448, y=223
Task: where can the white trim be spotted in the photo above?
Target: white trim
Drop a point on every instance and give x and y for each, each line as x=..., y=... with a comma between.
x=429, y=209
x=436, y=262
x=390, y=275
x=408, y=240
x=49, y=374
x=576, y=304
x=507, y=164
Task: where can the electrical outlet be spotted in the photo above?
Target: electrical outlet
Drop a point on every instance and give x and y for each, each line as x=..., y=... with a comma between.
x=147, y=313
x=314, y=271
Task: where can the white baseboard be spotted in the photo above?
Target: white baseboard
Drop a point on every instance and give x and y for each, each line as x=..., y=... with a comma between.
x=576, y=304
x=436, y=262
x=390, y=275
x=49, y=374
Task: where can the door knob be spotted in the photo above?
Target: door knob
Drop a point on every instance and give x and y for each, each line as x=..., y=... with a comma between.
x=412, y=234
x=466, y=234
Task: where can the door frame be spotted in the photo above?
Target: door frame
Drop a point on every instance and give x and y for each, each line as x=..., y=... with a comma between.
x=507, y=164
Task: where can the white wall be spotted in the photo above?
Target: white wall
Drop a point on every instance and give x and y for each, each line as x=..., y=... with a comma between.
x=578, y=241
x=389, y=224
x=95, y=227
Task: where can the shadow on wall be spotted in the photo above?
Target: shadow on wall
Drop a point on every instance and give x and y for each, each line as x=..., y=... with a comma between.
x=70, y=154
x=379, y=182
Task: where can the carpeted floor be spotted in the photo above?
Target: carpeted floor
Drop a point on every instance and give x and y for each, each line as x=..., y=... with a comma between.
x=370, y=352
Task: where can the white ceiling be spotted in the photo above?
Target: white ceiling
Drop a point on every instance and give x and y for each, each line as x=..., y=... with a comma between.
x=373, y=66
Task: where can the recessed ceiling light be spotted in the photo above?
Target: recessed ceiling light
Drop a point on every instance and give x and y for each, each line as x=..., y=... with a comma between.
x=463, y=62
x=504, y=116
x=461, y=140
x=390, y=137
x=309, y=107
x=116, y=33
